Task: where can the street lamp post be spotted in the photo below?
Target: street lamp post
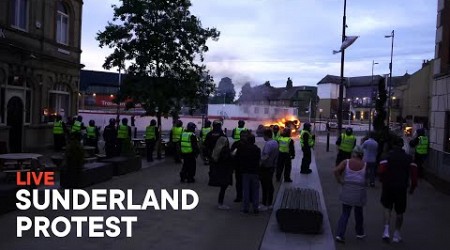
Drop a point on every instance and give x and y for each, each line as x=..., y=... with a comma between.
x=341, y=85
x=390, y=77
x=371, y=99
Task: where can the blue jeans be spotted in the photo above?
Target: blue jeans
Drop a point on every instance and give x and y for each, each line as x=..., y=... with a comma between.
x=250, y=185
x=343, y=220
x=372, y=171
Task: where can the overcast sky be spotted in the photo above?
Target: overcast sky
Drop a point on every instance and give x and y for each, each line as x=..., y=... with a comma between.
x=275, y=39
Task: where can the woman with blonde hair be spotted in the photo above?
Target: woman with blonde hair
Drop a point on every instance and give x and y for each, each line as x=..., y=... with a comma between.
x=351, y=174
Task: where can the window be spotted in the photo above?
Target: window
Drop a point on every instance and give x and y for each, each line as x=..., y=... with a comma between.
x=59, y=102
x=19, y=14
x=62, y=24
x=256, y=110
x=266, y=111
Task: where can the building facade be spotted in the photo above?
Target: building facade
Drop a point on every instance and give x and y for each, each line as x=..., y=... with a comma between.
x=302, y=98
x=39, y=68
x=439, y=156
x=358, y=97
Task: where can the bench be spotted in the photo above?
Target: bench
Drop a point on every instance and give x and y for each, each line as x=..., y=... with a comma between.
x=300, y=211
x=94, y=173
x=123, y=165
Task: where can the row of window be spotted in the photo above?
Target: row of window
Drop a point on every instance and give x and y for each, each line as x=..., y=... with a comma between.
x=20, y=15
x=59, y=102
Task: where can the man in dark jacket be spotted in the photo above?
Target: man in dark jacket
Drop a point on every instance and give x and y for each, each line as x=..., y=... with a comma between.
x=189, y=152
x=248, y=156
x=220, y=171
x=395, y=170
x=237, y=170
x=110, y=138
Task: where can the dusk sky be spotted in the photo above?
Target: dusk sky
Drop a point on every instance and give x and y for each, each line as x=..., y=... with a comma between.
x=271, y=40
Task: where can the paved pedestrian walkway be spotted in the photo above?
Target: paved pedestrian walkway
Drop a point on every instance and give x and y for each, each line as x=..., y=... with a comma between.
x=426, y=221
x=426, y=224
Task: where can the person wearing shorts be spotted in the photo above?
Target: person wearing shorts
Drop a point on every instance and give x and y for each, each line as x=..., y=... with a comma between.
x=395, y=171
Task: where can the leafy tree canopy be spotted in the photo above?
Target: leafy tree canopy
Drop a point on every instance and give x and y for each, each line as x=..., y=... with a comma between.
x=164, y=46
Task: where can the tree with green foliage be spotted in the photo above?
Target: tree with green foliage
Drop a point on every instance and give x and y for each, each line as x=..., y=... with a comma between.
x=164, y=46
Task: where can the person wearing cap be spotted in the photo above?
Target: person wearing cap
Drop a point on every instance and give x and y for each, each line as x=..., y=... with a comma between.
x=394, y=171
x=110, y=138
x=307, y=142
x=189, y=152
x=203, y=132
x=286, y=154
x=174, y=139
x=151, y=136
x=59, y=129
x=421, y=144
x=351, y=174
x=92, y=135
x=346, y=142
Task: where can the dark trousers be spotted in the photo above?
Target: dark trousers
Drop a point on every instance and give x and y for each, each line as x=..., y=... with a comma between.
x=177, y=152
x=343, y=220
x=189, y=167
x=119, y=146
x=60, y=141
x=222, y=194
x=342, y=156
x=238, y=181
x=110, y=149
x=266, y=178
x=250, y=184
x=92, y=142
x=419, y=159
x=306, y=160
x=284, y=163
x=149, y=146
x=372, y=171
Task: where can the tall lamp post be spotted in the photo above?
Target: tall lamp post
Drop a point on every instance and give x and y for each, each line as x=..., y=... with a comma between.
x=390, y=77
x=341, y=85
x=371, y=99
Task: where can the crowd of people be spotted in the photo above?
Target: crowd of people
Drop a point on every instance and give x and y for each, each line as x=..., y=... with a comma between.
x=115, y=135
x=357, y=167
x=253, y=169
x=242, y=163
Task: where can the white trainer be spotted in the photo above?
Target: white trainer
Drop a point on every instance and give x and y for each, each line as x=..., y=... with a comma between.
x=262, y=208
x=397, y=238
x=223, y=207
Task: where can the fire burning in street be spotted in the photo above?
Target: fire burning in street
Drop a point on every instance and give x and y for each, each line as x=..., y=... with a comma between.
x=291, y=122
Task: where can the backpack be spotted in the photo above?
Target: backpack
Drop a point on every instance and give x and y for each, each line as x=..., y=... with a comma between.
x=220, y=144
